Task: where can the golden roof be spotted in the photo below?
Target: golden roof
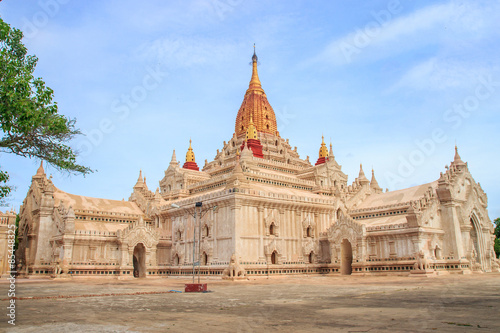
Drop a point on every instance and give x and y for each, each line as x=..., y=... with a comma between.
x=255, y=105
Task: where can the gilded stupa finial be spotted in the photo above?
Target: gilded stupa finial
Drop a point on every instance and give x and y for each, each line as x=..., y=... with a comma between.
x=251, y=130
x=190, y=162
x=255, y=81
x=190, y=153
x=254, y=57
x=323, y=151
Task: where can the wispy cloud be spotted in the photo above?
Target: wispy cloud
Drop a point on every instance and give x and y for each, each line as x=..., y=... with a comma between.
x=187, y=51
x=392, y=34
x=439, y=74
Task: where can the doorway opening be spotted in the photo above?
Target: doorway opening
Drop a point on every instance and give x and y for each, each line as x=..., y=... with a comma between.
x=139, y=261
x=346, y=255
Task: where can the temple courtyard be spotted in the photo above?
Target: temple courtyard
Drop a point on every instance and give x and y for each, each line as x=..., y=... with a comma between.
x=450, y=303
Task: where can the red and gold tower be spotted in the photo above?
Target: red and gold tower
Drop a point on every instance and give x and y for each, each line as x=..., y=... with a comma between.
x=190, y=161
x=323, y=152
x=252, y=140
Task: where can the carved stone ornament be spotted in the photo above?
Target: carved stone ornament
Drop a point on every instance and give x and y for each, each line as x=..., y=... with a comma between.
x=139, y=232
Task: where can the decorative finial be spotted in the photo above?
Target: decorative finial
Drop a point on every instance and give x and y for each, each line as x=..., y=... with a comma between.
x=174, y=158
x=190, y=153
x=362, y=178
x=323, y=152
x=40, y=170
x=254, y=57
x=251, y=130
x=457, y=160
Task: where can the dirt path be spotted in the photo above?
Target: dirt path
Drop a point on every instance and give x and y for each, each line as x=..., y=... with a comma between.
x=283, y=304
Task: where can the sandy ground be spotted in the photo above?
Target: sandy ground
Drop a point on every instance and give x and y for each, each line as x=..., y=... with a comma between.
x=450, y=303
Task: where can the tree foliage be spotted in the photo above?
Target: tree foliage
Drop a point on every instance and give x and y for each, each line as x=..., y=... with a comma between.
x=30, y=123
x=497, y=234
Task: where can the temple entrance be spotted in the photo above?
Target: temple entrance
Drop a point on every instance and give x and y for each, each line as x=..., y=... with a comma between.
x=346, y=257
x=139, y=260
x=476, y=245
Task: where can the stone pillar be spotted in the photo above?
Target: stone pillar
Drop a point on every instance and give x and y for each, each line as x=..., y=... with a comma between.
x=67, y=250
x=300, y=235
x=451, y=222
x=262, y=232
x=214, y=235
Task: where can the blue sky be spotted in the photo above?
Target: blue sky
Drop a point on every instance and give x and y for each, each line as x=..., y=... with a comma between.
x=393, y=84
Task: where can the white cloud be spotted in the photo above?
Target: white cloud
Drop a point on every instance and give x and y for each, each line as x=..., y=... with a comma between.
x=187, y=51
x=441, y=73
x=442, y=24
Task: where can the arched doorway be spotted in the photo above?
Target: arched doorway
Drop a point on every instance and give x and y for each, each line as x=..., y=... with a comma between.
x=139, y=261
x=274, y=258
x=204, y=259
x=476, y=244
x=176, y=260
x=346, y=257
x=311, y=257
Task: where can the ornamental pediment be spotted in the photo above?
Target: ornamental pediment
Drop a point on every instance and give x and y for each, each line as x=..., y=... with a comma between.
x=139, y=232
x=346, y=228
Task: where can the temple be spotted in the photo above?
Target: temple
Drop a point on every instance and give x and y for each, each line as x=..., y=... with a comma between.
x=259, y=209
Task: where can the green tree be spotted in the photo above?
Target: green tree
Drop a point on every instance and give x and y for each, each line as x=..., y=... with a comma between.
x=497, y=234
x=30, y=123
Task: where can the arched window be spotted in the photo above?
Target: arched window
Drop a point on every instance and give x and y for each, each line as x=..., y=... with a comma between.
x=204, y=259
x=206, y=231
x=272, y=229
x=179, y=235
x=311, y=257
x=176, y=260
x=309, y=231
x=274, y=258
x=267, y=126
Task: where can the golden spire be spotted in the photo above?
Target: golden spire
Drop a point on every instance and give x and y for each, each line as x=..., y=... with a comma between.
x=323, y=151
x=251, y=130
x=255, y=104
x=254, y=81
x=190, y=153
